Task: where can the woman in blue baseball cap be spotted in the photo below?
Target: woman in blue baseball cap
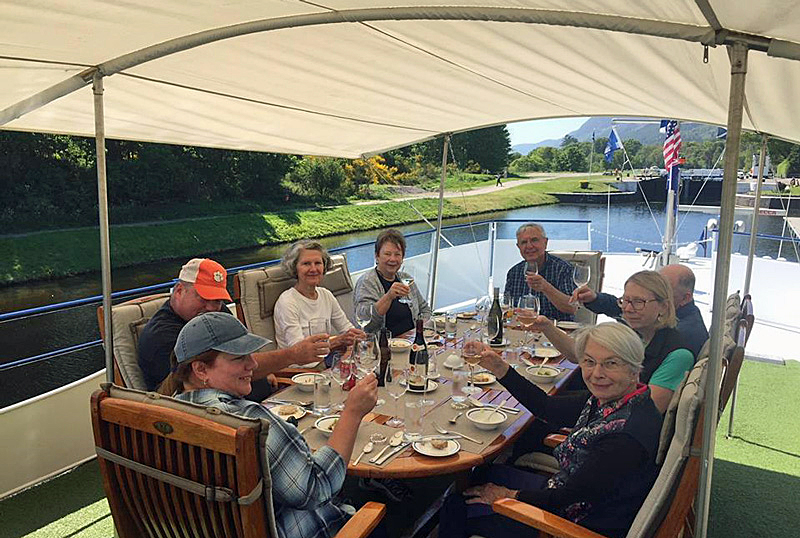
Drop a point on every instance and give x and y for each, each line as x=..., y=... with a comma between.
x=212, y=366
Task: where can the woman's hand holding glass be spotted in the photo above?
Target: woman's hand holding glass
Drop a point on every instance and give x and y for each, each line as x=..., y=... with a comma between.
x=321, y=326
x=580, y=276
x=407, y=279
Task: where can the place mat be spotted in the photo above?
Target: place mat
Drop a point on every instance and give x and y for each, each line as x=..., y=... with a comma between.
x=442, y=413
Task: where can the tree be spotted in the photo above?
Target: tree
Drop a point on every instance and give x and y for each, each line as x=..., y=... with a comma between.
x=323, y=177
x=568, y=140
x=571, y=159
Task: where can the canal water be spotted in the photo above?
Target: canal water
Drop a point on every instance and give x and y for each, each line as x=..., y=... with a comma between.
x=631, y=227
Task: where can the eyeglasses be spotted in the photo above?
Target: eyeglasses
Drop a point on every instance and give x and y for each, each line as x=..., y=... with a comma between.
x=610, y=365
x=637, y=304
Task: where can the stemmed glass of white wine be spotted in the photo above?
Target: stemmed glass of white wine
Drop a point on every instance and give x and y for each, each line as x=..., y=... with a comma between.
x=471, y=353
x=581, y=274
x=526, y=315
x=407, y=279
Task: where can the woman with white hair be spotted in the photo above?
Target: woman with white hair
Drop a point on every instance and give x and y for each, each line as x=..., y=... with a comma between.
x=607, y=463
x=308, y=261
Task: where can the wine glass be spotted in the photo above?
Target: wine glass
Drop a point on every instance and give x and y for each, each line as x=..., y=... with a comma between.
x=526, y=315
x=364, y=314
x=506, y=305
x=471, y=353
x=340, y=372
x=396, y=386
x=407, y=279
x=531, y=268
x=482, y=305
x=580, y=276
x=366, y=354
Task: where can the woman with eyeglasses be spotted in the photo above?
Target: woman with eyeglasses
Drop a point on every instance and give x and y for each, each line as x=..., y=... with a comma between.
x=607, y=463
x=648, y=309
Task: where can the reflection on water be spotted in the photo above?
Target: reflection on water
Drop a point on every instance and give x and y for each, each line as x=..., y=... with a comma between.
x=630, y=226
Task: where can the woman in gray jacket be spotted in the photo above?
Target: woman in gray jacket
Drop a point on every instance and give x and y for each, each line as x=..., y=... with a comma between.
x=379, y=291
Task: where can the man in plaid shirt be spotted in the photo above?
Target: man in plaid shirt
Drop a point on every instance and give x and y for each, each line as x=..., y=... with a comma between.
x=553, y=284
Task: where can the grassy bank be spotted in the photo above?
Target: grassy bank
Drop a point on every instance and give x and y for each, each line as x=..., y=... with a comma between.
x=59, y=253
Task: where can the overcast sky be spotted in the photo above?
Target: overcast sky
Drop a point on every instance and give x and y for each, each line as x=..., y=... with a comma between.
x=530, y=132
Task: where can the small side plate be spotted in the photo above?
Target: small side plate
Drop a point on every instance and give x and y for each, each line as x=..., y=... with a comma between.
x=426, y=449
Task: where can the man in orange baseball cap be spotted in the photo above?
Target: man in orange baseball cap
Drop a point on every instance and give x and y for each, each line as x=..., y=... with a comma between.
x=202, y=287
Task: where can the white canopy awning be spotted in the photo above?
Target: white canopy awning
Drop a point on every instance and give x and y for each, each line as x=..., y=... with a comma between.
x=398, y=74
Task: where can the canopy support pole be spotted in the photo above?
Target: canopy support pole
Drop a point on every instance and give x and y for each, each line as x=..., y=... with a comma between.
x=102, y=204
x=750, y=256
x=445, y=149
x=738, y=58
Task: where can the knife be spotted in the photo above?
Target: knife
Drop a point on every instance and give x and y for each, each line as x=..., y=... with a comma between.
x=399, y=448
x=477, y=403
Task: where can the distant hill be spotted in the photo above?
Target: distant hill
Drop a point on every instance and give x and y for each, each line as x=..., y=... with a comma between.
x=646, y=133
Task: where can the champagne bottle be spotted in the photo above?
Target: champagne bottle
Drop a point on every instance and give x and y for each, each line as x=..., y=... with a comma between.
x=385, y=357
x=418, y=358
x=495, y=321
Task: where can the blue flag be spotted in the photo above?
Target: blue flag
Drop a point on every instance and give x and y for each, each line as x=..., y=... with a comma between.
x=613, y=145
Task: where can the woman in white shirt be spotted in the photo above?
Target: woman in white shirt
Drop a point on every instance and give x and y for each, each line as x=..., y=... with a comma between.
x=308, y=261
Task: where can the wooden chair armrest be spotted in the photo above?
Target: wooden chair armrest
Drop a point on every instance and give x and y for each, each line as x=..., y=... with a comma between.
x=363, y=522
x=541, y=519
x=554, y=439
x=565, y=431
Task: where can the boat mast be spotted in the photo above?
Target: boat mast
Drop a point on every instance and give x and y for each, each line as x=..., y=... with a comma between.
x=102, y=203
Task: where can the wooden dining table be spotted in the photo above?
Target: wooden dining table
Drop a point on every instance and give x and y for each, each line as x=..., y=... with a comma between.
x=411, y=464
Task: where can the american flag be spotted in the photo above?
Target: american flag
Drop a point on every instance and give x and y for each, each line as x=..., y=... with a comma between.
x=672, y=144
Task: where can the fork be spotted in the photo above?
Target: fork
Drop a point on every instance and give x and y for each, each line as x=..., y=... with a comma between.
x=446, y=432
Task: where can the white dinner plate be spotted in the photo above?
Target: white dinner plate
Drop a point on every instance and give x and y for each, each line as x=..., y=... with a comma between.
x=432, y=386
x=569, y=325
x=426, y=449
x=281, y=410
x=487, y=380
x=546, y=352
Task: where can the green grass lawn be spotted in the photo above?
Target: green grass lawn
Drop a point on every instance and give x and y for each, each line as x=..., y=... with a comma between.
x=756, y=480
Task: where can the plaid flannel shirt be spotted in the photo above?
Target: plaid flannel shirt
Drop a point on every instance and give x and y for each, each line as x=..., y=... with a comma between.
x=303, y=484
x=556, y=271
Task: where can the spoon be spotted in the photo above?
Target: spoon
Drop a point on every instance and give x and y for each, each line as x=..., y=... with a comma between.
x=455, y=418
x=394, y=441
x=496, y=409
x=544, y=361
x=366, y=450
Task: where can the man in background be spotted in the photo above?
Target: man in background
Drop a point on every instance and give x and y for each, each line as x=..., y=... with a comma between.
x=552, y=283
x=201, y=288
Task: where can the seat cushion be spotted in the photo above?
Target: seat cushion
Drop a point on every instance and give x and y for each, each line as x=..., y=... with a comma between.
x=128, y=319
x=686, y=413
